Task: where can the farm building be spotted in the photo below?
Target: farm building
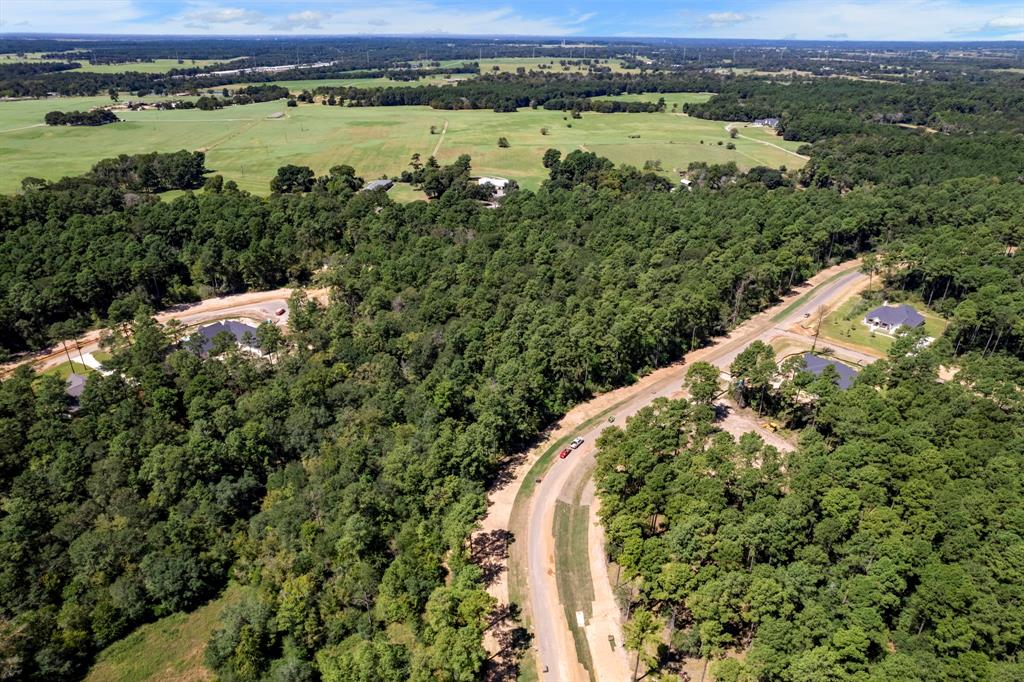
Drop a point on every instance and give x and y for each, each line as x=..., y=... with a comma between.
x=499, y=184
x=766, y=123
x=384, y=184
x=815, y=364
x=890, y=318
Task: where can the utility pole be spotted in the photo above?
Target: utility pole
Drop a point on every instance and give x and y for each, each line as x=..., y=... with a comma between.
x=817, y=327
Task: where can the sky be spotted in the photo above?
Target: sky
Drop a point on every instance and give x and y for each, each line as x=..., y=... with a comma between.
x=766, y=19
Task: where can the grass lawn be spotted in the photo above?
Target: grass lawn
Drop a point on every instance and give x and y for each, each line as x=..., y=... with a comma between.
x=244, y=145
x=171, y=649
x=65, y=370
x=403, y=193
x=846, y=323
x=572, y=570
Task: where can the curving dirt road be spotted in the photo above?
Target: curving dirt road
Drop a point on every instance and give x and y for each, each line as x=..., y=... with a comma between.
x=257, y=306
x=553, y=644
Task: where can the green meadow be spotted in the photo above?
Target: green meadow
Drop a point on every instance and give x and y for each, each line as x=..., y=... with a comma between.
x=297, y=86
x=244, y=145
x=155, y=66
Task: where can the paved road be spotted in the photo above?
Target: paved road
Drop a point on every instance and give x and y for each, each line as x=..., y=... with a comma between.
x=555, y=648
x=257, y=306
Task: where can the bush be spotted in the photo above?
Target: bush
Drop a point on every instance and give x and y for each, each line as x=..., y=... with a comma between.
x=503, y=142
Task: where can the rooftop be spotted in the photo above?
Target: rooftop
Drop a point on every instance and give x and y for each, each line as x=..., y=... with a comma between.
x=896, y=315
x=815, y=364
x=239, y=330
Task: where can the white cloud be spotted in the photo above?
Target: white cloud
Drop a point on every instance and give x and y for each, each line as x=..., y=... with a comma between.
x=900, y=20
x=307, y=19
x=226, y=15
x=1006, y=22
x=718, y=19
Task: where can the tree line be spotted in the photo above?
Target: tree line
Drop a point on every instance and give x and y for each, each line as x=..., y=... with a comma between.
x=508, y=92
x=96, y=117
x=812, y=109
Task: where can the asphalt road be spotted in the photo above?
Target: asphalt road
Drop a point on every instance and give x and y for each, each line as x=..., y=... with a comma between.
x=555, y=647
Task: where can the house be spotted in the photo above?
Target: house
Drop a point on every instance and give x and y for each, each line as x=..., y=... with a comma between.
x=766, y=123
x=815, y=364
x=889, y=318
x=499, y=184
x=384, y=184
x=244, y=334
x=74, y=386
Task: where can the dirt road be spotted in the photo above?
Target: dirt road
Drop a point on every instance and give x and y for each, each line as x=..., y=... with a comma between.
x=533, y=534
x=257, y=306
x=731, y=126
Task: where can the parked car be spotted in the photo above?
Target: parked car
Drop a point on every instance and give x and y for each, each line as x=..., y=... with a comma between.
x=576, y=443
x=280, y=311
x=564, y=453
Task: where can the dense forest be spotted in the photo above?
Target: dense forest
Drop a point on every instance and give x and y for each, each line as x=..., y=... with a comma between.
x=886, y=547
x=812, y=109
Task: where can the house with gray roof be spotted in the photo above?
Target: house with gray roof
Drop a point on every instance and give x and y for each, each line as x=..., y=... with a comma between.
x=74, y=385
x=889, y=318
x=244, y=335
x=766, y=123
x=815, y=364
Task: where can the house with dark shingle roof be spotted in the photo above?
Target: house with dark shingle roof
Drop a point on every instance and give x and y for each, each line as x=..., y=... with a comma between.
x=74, y=385
x=815, y=364
x=244, y=334
x=889, y=318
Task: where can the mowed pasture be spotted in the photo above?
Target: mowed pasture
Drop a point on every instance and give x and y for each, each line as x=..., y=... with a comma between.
x=297, y=86
x=155, y=66
x=511, y=64
x=244, y=145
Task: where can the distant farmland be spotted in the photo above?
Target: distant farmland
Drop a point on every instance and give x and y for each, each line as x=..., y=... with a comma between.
x=244, y=145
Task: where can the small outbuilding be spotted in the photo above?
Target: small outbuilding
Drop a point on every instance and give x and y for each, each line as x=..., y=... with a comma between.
x=890, y=318
x=815, y=364
x=383, y=184
x=499, y=184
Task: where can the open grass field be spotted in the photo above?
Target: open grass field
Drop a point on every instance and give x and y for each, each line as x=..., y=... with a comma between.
x=671, y=98
x=297, y=86
x=845, y=324
x=155, y=66
x=169, y=650
x=510, y=64
x=243, y=144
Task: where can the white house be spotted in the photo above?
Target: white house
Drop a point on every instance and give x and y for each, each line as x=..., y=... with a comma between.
x=499, y=184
